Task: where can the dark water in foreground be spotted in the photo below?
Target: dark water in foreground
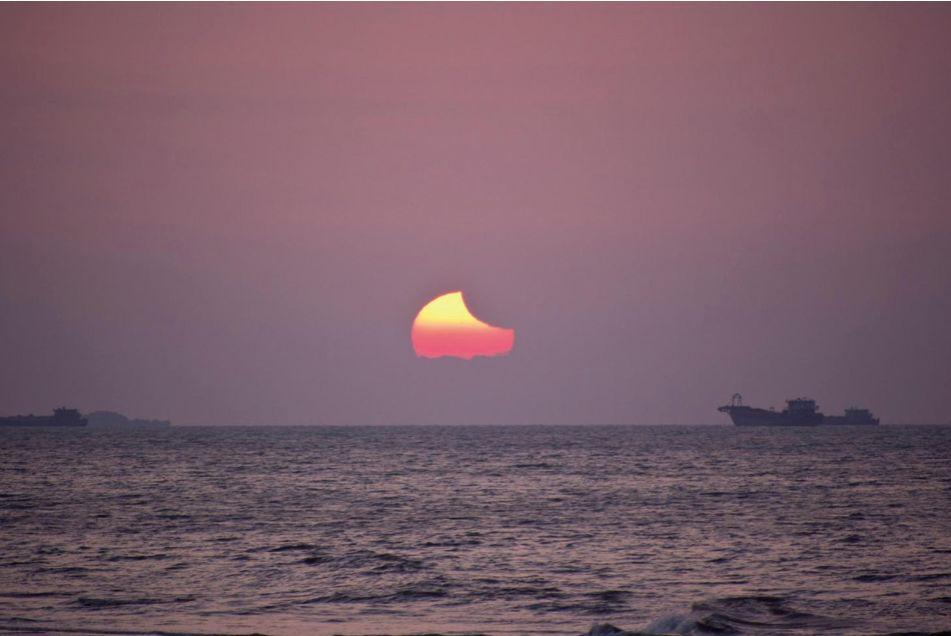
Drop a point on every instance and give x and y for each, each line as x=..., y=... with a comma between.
x=490, y=530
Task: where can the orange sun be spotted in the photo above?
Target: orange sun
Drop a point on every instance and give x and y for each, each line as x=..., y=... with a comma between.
x=444, y=327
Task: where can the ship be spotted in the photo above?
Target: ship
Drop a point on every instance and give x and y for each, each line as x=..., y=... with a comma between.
x=61, y=417
x=112, y=419
x=801, y=411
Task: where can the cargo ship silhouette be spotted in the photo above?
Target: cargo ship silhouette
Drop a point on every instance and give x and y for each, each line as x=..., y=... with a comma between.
x=60, y=417
x=798, y=412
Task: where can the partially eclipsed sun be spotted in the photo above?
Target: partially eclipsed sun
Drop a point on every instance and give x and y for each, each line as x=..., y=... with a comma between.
x=444, y=327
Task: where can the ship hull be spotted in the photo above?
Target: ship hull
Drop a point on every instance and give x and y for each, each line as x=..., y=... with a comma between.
x=838, y=420
x=27, y=422
x=31, y=421
x=749, y=416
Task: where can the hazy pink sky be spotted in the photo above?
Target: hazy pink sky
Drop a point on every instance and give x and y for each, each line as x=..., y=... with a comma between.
x=231, y=213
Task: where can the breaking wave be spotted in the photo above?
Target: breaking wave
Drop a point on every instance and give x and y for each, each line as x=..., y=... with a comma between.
x=743, y=615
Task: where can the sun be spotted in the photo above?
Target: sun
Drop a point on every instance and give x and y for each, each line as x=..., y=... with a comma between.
x=446, y=327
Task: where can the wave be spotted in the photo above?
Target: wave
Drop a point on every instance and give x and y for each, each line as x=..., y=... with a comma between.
x=410, y=593
x=744, y=615
x=367, y=561
x=293, y=547
x=104, y=603
x=16, y=626
x=137, y=557
x=732, y=615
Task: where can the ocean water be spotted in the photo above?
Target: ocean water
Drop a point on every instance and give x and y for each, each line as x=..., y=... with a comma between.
x=517, y=530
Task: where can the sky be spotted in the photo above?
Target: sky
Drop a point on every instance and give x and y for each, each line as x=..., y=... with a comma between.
x=231, y=214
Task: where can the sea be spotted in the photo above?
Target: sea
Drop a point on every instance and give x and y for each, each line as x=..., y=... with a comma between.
x=476, y=530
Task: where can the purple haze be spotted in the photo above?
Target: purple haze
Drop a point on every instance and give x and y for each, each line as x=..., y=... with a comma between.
x=231, y=213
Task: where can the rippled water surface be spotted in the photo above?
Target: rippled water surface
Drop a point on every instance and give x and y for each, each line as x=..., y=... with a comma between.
x=490, y=530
